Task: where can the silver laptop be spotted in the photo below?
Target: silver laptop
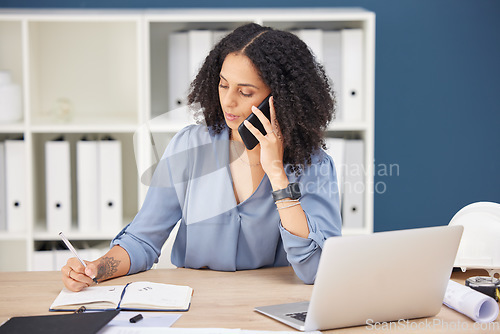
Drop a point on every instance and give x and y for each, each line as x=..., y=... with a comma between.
x=385, y=276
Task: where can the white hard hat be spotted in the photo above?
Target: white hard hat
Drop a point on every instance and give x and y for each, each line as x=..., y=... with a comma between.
x=480, y=244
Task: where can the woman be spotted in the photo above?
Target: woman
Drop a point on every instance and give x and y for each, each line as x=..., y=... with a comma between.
x=239, y=209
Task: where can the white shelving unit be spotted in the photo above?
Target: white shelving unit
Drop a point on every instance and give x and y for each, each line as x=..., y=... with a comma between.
x=110, y=66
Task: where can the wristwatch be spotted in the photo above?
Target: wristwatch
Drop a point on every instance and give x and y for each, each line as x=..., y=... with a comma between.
x=291, y=191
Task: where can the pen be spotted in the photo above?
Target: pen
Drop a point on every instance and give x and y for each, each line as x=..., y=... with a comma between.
x=73, y=250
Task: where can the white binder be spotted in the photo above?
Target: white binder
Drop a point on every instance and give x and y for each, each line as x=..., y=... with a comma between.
x=352, y=75
x=178, y=69
x=58, y=185
x=87, y=184
x=332, y=61
x=336, y=149
x=218, y=35
x=187, y=52
x=110, y=185
x=3, y=199
x=314, y=40
x=61, y=257
x=354, y=185
x=43, y=260
x=200, y=44
x=15, y=177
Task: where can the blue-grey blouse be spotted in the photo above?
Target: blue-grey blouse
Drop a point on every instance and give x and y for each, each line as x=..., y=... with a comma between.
x=193, y=184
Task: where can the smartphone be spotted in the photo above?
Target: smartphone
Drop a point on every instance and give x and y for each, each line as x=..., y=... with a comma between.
x=248, y=138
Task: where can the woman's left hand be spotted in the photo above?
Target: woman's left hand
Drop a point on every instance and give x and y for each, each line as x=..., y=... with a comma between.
x=271, y=145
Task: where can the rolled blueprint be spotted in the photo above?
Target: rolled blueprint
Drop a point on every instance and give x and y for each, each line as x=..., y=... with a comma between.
x=474, y=304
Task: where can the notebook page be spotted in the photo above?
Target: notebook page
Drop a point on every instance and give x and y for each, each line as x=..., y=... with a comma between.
x=93, y=294
x=151, y=295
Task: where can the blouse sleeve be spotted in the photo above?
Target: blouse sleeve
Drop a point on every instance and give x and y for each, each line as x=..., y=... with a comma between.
x=144, y=237
x=320, y=202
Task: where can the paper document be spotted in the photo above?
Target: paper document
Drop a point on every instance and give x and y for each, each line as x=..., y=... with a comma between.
x=476, y=305
x=149, y=319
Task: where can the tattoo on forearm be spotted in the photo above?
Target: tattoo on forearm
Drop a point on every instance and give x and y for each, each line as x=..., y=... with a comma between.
x=107, y=267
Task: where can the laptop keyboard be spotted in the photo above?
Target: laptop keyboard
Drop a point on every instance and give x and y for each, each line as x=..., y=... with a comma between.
x=301, y=316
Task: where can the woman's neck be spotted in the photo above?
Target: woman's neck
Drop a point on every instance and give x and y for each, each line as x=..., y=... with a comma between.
x=253, y=156
x=235, y=136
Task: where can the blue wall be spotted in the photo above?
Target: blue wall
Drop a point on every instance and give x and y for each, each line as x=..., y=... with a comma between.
x=437, y=114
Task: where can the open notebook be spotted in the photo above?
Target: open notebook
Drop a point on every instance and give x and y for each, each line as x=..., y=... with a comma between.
x=133, y=296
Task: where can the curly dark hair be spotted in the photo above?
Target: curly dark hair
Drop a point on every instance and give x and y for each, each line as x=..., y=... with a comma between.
x=303, y=98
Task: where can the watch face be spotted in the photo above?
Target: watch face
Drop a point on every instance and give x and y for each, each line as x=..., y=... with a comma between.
x=294, y=190
x=291, y=191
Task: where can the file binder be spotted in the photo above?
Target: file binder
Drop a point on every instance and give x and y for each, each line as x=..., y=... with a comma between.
x=43, y=260
x=178, y=69
x=354, y=185
x=336, y=149
x=218, y=35
x=15, y=181
x=314, y=40
x=187, y=51
x=352, y=75
x=58, y=185
x=55, y=259
x=110, y=185
x=3, y=199
x=87, y=182
x=61, y=257
x=332, y=61
x=200, y=44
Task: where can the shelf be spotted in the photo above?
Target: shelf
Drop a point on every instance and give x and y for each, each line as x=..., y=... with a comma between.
x=71, y=15
x=74, y=235
x=11, y=49
x=258, y=14
x=41, y=234
x=83, y=66
x=346, y=126
x=126, y=123
x=129, y=176
x=13, y=128
x=174, y=126
x=355, y=231
x=108, y=70
x=13, y=236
